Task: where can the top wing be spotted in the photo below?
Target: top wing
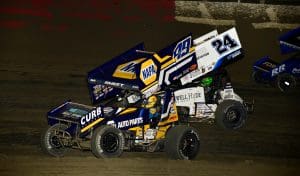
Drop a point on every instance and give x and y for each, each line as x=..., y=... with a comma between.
x=215, y=51
x=290, y=41
x=135, y=69
x=120, y=73
x=180, y=62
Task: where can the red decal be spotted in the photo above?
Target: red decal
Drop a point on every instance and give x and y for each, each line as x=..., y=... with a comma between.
x=25, y=11
x=96, y=11
x=12, y=24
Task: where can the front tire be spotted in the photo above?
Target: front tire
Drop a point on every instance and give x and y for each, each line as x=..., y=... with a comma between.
x=51, y=142
x=257, y=77
x=230, y=114
x=182, y=142
x=107, y=142
x=285, y=82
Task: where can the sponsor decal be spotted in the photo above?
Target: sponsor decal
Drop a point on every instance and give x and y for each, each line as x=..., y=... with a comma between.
x=148, y=72
x=193, y=67
x=296, y=70
x=127, y=70
x=204, y=110
x=202, y=53
x=93, y=115
x=234, y=55
x=228, y=94
x=176, y=68
x=177, y=77
x=278, y=70
x=133, y=98
x=120, y=85
x=190, y=76
x=182, y=48
x=111, y=123
x=188, y=97
x=101, y=90
x=268, y=64
x=223, y=45
x=130, y=122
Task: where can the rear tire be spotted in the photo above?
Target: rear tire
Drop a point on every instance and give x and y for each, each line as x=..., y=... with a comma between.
x=285, y=82
x=107, y=142
x=51, y=143
x=182, y=142
x=230, y=114
x=257, y=77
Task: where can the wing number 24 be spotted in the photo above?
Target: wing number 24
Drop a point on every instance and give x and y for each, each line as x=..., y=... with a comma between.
x=224, y=45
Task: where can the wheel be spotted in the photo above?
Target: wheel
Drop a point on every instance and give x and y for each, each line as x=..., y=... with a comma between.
x=257, y=77
x=107, y=142
x=230, y=114
x=182, y=142
x=51, y=140
x=285, y=82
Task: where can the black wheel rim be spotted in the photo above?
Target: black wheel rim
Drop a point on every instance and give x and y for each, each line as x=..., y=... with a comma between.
x=189, y=145
x=232, y=117
x=55, y=142
x=110, y=142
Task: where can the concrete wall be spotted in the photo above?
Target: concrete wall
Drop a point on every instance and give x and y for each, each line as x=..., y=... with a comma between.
x=229, y=13
x=276, y=2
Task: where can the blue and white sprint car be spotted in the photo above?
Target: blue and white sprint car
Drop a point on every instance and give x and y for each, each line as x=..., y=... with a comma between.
x=286, y=74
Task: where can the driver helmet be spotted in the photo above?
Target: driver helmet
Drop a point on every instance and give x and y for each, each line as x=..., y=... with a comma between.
x=152, y=99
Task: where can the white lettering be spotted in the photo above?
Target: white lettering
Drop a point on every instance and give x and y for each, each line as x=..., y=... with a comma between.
x=98, y=111
x=88, y=117
x=94, y=114
x=278, y=70
x=130, y=122
x=91, y=116
x=188, y=97
x=82, y=121
x=295, y=70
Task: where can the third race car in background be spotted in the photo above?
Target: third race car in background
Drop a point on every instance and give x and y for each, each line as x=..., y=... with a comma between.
x=286, y=74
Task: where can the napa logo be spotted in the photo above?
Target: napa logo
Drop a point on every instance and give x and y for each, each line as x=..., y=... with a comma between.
x=127, y=70
x=148, y=72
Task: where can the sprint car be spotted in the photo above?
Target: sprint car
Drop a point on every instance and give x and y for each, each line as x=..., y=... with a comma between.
x=188, y=76
x=286, y=74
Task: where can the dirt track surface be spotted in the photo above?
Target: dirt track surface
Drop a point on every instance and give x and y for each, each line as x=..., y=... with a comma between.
x=42, y=69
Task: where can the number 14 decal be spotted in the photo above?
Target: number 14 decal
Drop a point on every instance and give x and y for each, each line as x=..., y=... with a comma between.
x=224, y=45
